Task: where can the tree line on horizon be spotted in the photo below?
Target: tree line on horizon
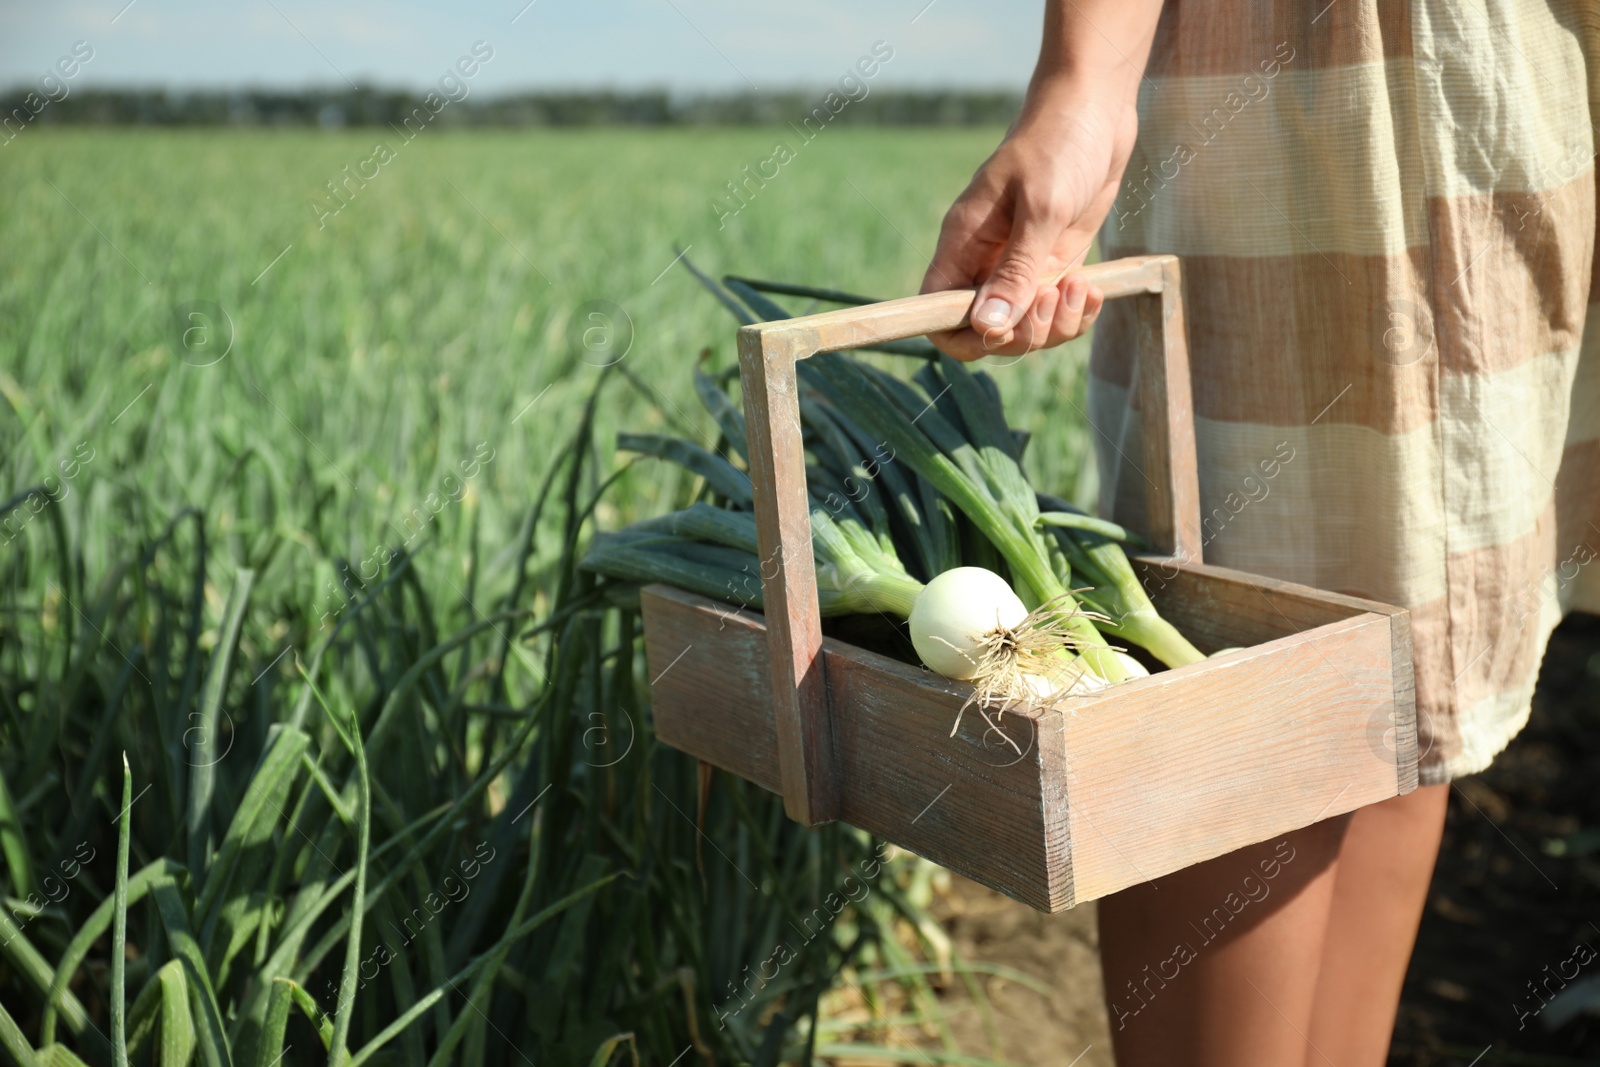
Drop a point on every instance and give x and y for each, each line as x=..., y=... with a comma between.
x=365, y=107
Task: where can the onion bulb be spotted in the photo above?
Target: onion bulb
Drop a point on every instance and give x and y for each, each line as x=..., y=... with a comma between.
x=968, y=624
x=957, y=617
x=1134, y=668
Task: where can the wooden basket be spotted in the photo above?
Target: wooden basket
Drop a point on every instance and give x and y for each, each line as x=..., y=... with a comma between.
x=1315, y=716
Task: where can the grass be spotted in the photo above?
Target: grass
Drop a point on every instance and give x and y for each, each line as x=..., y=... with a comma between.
x=265, y=454
x=380, y=352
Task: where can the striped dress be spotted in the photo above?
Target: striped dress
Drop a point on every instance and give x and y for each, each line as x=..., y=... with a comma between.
x=1386, y=212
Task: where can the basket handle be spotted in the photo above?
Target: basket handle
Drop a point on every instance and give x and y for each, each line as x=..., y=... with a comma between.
x=767, y=356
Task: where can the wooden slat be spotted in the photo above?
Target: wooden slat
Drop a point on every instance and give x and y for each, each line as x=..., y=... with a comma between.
x=913, y=316
x=1184, y=766
x=969, y=802
x=788, y=575
x=1405, y=704
x=1217, y=607
x=711, y=697
x=710, y=690
x=1172, y=505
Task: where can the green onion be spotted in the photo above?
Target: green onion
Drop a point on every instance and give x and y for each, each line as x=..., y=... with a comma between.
x=955, y=499
x=1116, y=593
x=984, y=483
x=854, y=575
x=1076, y=520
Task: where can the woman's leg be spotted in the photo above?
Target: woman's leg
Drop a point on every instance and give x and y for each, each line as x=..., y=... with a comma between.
x=1217, y=965
x=1385, y=866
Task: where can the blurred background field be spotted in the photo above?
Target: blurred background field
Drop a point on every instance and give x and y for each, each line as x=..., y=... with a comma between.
x=442, y=310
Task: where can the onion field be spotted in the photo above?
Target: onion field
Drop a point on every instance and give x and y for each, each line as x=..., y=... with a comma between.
x=302, y=435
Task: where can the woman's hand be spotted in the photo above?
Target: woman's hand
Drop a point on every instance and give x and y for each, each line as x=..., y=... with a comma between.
x=1031, y=211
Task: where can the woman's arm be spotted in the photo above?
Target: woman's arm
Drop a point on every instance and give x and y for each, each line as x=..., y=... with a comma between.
x=1033, y=208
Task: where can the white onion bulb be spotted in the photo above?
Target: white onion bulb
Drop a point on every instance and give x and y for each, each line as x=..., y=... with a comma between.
x=1134, y=668
x=955, y=612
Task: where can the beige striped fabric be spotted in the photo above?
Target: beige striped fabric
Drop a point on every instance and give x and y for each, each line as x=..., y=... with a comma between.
x=1386, y=211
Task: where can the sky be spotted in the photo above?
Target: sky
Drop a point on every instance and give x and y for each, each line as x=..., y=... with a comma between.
x=686, y=46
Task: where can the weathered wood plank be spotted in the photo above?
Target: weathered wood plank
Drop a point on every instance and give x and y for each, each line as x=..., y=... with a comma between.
x=1216, y=607
x=913, y=316
x=710, y=688
x=1404, y=719
x=1186, y=765
x=1172, y=497
x=971, y=802
x=788, y=576
x=711, y=698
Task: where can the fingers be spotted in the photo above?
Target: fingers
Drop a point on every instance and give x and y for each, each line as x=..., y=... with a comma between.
x=1030, y=333
x=1057, y=314
x=1034, y=330
x=1091, y=308
x=1079, y=306
x=1011, y=289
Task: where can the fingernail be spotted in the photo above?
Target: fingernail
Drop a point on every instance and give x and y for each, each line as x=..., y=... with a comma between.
x=1076, y=294
x=994, y=312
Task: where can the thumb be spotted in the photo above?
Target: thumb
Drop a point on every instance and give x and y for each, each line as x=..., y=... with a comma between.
x=1009, y=291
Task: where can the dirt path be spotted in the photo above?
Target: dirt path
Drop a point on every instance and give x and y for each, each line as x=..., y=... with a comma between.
x=1060, y=951
x=1516, y=892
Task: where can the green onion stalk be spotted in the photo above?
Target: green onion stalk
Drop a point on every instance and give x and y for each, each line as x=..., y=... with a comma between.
x=974, y=629
x=1115, y=594
x=858, y=569
x=984, y=481
x=966, y=624
x=957, y=448
x=855, y=574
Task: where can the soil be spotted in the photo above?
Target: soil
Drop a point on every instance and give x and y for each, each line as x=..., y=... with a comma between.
x=1515, y=900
